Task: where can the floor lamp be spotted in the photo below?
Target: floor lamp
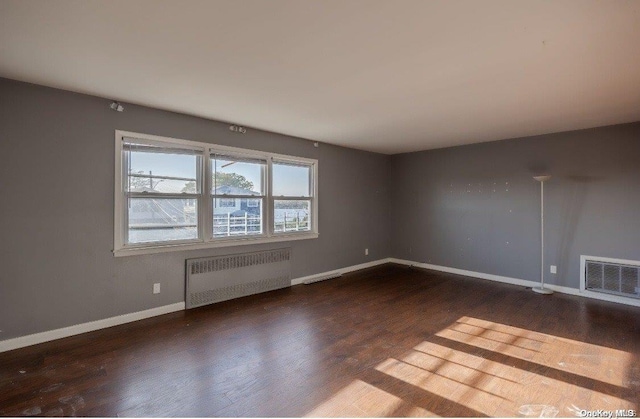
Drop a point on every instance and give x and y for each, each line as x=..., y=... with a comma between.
x=541, y=289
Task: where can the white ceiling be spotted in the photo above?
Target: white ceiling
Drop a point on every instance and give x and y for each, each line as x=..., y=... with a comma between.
x=386, y=76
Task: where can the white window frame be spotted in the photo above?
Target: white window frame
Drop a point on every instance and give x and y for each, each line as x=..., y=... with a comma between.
x=205, y=211
x=240, y=156
x=311, y=197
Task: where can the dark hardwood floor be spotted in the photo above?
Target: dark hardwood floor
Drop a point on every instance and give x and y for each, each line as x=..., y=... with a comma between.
x=388, y=341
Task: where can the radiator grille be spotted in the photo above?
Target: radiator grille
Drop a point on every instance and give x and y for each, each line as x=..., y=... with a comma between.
x=220, y=278
x=612, y=278
x=223, y=263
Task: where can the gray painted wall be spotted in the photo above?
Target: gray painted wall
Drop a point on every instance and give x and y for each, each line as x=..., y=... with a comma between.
x=56, y=207
x=476, y=207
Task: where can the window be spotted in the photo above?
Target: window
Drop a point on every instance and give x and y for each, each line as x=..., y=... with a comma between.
x=161, y=192
x=176, y=194
x=292, y=184
x=243, y=179
x=226, y=203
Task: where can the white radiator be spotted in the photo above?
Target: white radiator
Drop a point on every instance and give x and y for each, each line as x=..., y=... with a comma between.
x=219, y=278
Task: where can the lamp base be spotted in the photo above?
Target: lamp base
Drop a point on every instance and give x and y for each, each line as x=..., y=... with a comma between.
x=541, y=290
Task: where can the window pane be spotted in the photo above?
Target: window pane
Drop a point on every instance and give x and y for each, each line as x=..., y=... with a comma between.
x=162, y=172
x=236, y=177
x=291, y=180
x=242, y=219
x=162, y=219
x=152, y=183
x=291, y=215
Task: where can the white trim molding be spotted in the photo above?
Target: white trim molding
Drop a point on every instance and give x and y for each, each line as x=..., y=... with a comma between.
x=338, y=272
x=23, y=341
x=36, y=338
x=521, y=282
x=212, y=245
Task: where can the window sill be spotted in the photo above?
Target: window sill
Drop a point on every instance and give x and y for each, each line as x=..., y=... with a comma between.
x=149, y=250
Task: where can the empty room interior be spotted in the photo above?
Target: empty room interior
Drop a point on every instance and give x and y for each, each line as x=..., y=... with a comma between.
x=320, y=208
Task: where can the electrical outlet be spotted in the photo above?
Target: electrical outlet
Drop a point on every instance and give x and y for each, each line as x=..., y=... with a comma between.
x=553, y=269
x=366, y=252
x=156, y=288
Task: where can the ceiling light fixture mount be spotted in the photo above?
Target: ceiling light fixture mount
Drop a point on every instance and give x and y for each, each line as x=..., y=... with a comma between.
x=238, y=129
x=116, y=106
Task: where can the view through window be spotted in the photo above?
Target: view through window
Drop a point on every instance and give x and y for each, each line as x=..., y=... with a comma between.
x=176, y=192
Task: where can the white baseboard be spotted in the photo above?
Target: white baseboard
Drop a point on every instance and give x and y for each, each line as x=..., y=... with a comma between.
x=522, y=282
x=21, y=342
x=34, y=339
x=338, y=272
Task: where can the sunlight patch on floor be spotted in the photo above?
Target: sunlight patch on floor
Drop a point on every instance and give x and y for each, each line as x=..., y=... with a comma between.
x=501, y=370
x=475, y=367
x=590, y=361
x=358, y=399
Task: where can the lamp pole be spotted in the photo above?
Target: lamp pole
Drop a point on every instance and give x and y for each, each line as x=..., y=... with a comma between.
x=541, y=289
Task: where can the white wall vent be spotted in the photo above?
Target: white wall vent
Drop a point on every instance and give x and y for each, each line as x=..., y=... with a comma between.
x=218, y=278
x=611, y=276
